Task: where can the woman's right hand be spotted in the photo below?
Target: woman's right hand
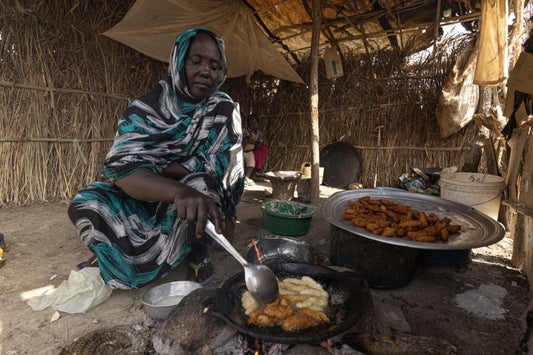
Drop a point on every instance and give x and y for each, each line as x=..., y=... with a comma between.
x=191, y=205
x=194, y=206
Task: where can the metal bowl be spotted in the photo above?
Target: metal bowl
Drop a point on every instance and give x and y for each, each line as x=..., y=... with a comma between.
x=277, y=249
x=160, y=300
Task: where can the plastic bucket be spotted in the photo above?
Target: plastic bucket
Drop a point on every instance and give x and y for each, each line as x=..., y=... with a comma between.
x=481, y=191
x=287, y=217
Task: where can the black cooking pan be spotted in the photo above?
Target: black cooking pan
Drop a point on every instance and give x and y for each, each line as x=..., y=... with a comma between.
x=346, y=304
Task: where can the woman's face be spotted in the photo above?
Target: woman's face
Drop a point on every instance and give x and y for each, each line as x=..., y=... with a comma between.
x=254, y=124
x=202, y=66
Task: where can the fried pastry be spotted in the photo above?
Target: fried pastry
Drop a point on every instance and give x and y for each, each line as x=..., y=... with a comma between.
x=258, y=317
x=278, y=312
x=302, y=304
x=318, y=316
x=297, y=322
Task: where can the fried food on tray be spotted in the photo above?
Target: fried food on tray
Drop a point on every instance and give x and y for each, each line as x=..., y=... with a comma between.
x=302, y=304
x=388, y=232
x=389, y=219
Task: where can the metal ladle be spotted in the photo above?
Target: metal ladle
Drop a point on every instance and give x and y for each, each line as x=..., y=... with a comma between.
x=260, y=280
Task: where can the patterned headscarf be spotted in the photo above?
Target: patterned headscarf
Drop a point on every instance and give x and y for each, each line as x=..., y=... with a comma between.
x=176, y=69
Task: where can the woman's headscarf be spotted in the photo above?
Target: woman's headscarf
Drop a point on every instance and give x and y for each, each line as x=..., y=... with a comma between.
x=176, y=68
x=169, y=124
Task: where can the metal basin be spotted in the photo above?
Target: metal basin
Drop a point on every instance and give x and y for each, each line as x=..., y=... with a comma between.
x=160, y=300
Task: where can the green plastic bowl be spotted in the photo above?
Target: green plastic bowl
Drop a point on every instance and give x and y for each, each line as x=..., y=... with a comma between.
x=287, y=217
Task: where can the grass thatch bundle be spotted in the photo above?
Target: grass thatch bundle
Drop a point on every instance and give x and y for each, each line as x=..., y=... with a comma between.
x=63, y=87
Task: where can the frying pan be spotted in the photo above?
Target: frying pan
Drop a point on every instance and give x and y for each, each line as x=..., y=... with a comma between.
x=346, y=304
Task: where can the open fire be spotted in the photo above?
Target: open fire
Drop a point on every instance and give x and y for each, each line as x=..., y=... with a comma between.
x=259, y=256
x=238, y=343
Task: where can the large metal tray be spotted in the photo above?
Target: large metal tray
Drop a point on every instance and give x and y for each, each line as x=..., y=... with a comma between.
x=477, y=229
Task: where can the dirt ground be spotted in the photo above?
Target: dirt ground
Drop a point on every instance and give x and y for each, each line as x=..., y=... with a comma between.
x=480, y=308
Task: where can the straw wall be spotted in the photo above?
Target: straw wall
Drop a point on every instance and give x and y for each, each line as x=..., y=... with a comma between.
x=63, y=87
x=386, y=91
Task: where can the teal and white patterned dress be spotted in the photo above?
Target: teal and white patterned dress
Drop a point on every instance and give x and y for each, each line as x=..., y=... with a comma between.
x=137, y=242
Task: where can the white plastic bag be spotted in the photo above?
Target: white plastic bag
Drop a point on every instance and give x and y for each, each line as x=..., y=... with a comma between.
x=83, y=290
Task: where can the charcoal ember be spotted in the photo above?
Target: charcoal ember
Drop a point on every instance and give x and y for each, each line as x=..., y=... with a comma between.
x=404, y=344
x=308, y=349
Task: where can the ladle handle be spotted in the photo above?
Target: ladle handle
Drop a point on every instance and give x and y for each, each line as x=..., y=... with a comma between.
x=210, y=229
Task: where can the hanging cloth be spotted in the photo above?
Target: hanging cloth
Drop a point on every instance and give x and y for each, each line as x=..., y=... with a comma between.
x=492, y=62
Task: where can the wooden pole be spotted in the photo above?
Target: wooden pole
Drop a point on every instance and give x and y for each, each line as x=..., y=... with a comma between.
x=437, y=25
x=313, y=94
x=379, y=128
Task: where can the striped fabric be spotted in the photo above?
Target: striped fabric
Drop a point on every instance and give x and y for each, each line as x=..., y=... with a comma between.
x=138, y=242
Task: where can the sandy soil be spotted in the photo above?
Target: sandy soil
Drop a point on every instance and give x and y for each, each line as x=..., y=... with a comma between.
x=42, y=248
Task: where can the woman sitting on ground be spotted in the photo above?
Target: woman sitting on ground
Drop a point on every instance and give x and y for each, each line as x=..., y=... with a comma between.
x=176, y=161
x=255, y=151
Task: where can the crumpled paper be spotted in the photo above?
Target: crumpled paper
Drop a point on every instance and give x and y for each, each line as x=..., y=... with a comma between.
x=83, y=290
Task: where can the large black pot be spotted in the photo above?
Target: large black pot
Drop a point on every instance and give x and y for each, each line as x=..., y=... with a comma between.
x=345, y=305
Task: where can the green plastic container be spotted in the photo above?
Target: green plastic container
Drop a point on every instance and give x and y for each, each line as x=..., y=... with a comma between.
x=287, y=217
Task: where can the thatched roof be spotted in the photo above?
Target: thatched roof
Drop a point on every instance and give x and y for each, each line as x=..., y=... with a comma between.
x=357, y=25
x=274, y=35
